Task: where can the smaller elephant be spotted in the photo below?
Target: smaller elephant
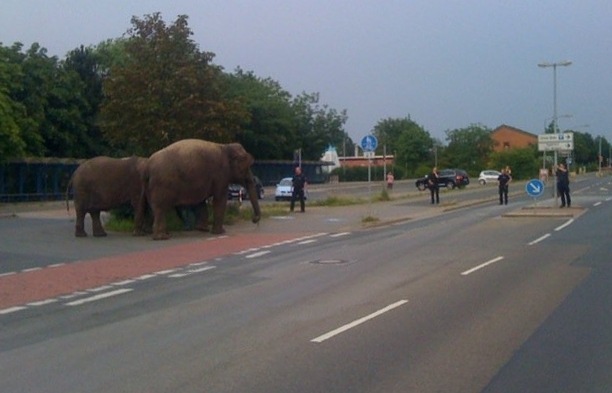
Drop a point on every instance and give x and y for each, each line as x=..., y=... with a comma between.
x=104, y=183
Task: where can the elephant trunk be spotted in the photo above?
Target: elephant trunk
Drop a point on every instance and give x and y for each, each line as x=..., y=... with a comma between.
x=253, y=197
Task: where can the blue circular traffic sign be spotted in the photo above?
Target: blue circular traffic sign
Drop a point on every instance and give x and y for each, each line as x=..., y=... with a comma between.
x=369, y=143
x=534, y=187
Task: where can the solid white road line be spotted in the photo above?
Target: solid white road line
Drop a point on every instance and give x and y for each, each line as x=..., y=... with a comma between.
x=564, y=225
x=340, y=234
x=122, y=283
x=472, y=270
x=257, y=254
x=100, y=289
x=42, y=302
x=32, y=269
x=538, y=239
x=192, y=271
x=357, y=322
x=99, y=297
x=11, y=310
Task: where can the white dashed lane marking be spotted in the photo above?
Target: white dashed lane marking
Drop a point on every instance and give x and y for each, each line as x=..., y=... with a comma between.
x=193, y=268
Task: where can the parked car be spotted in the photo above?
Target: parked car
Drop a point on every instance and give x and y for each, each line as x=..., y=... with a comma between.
x=238, y=192
x=449, y=178
x=487, y=176
x=284, y=190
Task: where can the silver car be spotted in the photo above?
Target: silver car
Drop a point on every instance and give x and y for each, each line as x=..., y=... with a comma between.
x=487, y=176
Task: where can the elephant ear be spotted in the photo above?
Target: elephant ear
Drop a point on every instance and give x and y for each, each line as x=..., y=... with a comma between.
x=239, y=156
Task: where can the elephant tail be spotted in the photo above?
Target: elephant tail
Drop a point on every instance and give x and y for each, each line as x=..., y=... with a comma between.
x=68, y=193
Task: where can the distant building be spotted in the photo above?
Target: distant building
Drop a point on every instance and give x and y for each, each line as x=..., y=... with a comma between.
x=331, y=156
x=507, y=137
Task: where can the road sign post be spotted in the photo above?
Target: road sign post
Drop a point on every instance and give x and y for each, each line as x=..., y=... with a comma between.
x=535, y=189
x=369, y=144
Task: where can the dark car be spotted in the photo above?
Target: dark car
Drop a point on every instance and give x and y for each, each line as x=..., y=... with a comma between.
x=449, y=178
x=238, y=192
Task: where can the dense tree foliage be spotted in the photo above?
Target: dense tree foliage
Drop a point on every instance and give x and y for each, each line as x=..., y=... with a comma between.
x=523, y=162
x=166, y=90
x=469, y=147
x=406, y=140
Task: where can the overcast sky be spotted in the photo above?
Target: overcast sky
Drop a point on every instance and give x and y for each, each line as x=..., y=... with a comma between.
x=445, y=63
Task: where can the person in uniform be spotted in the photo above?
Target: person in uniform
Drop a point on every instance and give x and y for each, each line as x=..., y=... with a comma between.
x=503, y=180
x=434, y=187
x=563, y=186
x=299, y=184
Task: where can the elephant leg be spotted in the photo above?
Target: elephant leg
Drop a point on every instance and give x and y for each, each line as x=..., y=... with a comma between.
x=79, y=227
x=139, y=220
x=201, y=212
x=159, y=225
x=96, y=223
x=218, y=216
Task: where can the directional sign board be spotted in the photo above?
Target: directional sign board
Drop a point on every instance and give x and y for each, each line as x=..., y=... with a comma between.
x=556, y=142
x=534, y=188
x=369, y=143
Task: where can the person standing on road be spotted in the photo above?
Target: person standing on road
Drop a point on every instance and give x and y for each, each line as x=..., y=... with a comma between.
x=299, y=184
x=503, y=180
x=434, y=187
x=563, y=185
x=390, y=180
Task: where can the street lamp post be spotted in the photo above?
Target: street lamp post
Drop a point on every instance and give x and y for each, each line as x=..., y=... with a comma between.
x=555, y=128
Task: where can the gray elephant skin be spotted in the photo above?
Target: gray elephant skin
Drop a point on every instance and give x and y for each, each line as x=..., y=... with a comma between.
x=104, y=183
x=187, y=173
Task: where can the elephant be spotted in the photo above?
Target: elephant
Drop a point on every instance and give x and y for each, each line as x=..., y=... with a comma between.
x=187, y=173
x=104, y=183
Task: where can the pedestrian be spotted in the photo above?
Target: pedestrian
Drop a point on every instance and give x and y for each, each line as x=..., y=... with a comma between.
x=563, y=185
x=503, y=180
x=434, y=187
x=390, y=180
x=299, y=185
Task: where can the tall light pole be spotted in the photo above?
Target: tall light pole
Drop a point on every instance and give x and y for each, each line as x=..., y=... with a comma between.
x=555, y=128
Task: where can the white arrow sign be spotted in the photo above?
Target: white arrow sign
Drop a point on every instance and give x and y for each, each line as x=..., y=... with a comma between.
x=534, y=187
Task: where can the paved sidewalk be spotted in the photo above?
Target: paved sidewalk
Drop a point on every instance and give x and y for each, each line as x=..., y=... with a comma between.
x=403, y=207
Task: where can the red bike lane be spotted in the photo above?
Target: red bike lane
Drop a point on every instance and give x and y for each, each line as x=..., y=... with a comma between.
x=49, y=282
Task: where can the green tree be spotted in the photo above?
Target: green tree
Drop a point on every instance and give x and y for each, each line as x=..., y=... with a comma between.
x=524, y=163
x=11, y=112
x=585, y=148
x=166, y=90
x=408, y=141
x=317, y=126
x=469, y=148
x=84, y=68
x=268, y=131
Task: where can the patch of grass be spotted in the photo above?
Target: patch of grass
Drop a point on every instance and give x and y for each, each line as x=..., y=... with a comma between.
x=338, y=201
x=383, y=196
x=369, y=220
x=119, y=224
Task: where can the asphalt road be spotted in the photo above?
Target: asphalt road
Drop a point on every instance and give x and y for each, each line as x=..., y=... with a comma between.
x=462, y=301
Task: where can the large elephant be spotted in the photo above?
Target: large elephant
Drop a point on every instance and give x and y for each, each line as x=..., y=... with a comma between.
x=188, y=172
x=104, y=183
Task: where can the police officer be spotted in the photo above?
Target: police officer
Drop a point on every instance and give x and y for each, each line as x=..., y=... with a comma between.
x=299, y=183
x=563, y=186
x=503, y=180
x=434, y=187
